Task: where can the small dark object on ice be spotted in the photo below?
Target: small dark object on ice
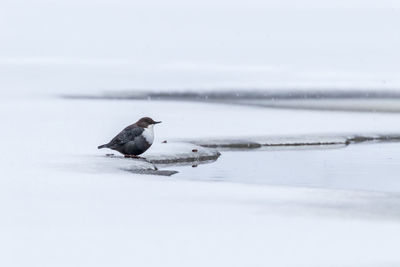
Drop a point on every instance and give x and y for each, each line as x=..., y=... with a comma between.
x=194, y=166
x=195, y=150
x=110, y=155
x=134, y=139
x=164, y=142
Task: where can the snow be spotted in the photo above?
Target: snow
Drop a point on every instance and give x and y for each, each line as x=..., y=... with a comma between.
x=121, y=220
x=63, y=203
x=180, y=152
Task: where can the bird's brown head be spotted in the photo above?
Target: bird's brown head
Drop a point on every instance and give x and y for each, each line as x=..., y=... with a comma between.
x=146, y=121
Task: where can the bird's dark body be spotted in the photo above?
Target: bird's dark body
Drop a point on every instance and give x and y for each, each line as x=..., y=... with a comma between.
x=129, y=141
x=136, y=147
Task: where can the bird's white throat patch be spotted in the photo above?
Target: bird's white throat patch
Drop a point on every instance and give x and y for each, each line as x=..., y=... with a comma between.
x=148, y=134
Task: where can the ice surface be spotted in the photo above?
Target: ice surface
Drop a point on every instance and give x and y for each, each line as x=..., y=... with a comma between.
x=294, y=141
x=363, y=167
x=163, y=153
x=258, y=142
x=64, y=203
x=294, y=98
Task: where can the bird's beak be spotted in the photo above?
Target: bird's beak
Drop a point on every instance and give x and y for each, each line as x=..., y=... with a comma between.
x=156, y=122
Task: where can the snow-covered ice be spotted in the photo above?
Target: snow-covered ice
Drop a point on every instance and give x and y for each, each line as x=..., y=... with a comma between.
x=177, y=152
x=63, y=203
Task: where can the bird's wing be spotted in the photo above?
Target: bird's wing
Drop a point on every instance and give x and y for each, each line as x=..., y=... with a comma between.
x=126, y=135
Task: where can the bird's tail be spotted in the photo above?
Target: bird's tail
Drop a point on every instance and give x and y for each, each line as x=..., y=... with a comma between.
x=102, y=146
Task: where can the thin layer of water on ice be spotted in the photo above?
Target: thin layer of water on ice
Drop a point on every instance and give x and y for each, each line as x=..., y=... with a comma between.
x=371, y=167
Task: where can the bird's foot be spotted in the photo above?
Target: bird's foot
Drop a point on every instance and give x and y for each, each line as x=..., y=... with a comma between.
x=133, y=157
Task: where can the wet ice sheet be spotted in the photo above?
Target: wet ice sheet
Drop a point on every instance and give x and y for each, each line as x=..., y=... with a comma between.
x=373, y=167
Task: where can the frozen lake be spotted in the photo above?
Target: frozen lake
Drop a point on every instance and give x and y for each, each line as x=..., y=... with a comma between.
x=371, y=167
x=287, y=70
x=66, y=204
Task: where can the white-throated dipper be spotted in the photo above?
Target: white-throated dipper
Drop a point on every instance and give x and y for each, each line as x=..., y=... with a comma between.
x=134, y=139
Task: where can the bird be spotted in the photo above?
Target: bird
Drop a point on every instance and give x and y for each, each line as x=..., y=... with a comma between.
x=135, y=139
